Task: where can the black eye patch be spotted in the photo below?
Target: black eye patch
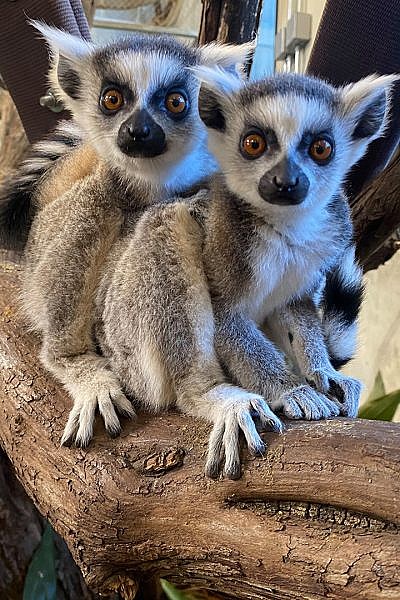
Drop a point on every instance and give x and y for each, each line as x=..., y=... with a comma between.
x=167, y=99
x=113, y=83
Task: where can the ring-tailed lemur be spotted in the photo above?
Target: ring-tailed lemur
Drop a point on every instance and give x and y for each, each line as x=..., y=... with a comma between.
x=151, y=64
x=135, y=103
x=184, y=295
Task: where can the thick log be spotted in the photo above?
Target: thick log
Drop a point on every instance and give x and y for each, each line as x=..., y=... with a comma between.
x=316, y=517
x=376, y=214
x=21, y=528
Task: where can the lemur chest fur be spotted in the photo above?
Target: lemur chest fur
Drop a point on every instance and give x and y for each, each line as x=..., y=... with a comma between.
x=279, y=271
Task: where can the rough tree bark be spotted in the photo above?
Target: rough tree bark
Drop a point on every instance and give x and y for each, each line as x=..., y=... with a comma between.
x=317, y=517
x=226, y=21
x=376, y=214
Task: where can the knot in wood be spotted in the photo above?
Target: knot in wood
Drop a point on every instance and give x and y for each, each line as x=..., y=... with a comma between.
x=124, y=586
x=159, y=463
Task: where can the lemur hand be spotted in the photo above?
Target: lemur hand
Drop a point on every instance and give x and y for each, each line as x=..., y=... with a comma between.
x=344, y=390
x=233, y=415
x=105, y=394
x=303, y=402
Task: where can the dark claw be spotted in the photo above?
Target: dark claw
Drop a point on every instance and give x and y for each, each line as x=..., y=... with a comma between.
x=82, y=444
x=114, y=433
x=233, y=473
x=213, y=471
x=258, y=450
x=68, y=442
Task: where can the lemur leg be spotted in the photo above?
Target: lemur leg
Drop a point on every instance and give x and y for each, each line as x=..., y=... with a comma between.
x=301, y=324
x=68, y=246
x=158, y=330
x=255, y=363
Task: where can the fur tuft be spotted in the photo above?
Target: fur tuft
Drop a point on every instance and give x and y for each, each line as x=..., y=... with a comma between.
x=17, y=208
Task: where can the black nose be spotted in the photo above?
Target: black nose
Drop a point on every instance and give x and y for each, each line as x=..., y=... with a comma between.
x=285, y=184
x=140, y=136
x=139, y=133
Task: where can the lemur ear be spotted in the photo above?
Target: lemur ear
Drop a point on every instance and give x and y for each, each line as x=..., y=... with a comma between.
x=216, y=87
x=366, y=105
x=211, y=109
x=228, y=57
x=67, y=53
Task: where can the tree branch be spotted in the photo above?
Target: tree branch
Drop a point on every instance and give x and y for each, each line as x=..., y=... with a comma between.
x=318, y=514
x=376, y=214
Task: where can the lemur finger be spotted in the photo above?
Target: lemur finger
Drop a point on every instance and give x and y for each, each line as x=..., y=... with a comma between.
x=247, y=425
x=347, y=392
x=71, y=427
x=267, y=417
x=291, y=409
x=310, y=402
x=122, y=404
x=231, y=446
x=214, y=450
x=320, y=407
x=107, y=411
x=332, y=408
x=320, y=381
x=86, y=421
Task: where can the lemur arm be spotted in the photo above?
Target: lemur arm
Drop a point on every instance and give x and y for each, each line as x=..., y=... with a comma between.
x=69, y=243
x=255, y=363
x=301, y=324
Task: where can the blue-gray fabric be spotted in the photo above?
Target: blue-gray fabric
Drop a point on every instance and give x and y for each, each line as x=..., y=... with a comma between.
x=24, y=56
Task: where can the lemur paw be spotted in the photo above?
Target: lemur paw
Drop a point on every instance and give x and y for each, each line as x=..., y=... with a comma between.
x=109, y=399
x=235, y=415
x=345, y=391
x=303, y=402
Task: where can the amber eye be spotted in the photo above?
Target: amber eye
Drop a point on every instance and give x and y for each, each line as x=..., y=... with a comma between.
x=321, y=150
x=253, y=145
x=112, y=100
x=175, y=102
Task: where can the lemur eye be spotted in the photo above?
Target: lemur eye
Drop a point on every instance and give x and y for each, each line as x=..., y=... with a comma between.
x=175, y=102
x=111, y=100
x=253, y=145
x=321, y=150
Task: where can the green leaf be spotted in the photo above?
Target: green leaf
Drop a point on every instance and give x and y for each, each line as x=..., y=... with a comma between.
x=379, y=388
x=172, y=592
x=41, y=579
x=381, y=409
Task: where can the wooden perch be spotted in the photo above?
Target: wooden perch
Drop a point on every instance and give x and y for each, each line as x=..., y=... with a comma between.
x=316, y=517
x=376, y=215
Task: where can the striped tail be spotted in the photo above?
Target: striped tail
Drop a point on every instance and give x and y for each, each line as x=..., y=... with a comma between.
x=341, y=302
x=17, y=207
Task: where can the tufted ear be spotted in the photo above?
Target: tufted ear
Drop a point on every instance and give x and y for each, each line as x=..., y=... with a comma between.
x=366, y=105
x=227, y=57
x=216, y=87
x=67, y=51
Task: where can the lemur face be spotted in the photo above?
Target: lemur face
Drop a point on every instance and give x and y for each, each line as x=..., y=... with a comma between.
x=139, y=105
x=137, y=98
x=286, y=143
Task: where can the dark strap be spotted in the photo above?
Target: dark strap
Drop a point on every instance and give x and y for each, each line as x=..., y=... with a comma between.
x=356, y=38
x=24, y=56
